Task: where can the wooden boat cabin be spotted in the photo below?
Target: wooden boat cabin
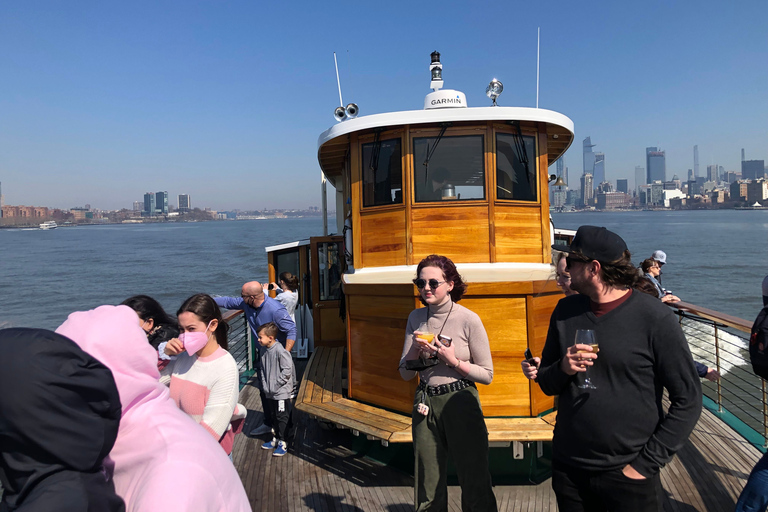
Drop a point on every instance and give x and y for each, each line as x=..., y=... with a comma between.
x=467, y=183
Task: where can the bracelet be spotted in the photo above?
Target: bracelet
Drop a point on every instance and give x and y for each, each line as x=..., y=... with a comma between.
x=457, y=364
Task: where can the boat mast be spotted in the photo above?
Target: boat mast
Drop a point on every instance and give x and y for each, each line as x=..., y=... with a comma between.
x=538, y=52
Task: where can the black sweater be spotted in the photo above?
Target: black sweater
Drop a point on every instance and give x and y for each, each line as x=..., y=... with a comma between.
x=642, y=350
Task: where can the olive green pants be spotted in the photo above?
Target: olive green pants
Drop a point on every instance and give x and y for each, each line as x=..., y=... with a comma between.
x=453, y=427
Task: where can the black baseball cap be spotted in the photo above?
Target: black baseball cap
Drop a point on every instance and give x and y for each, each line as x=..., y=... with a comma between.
x=596, y=243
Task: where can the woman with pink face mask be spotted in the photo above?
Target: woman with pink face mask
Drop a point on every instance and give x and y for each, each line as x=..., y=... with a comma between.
x=203, y=378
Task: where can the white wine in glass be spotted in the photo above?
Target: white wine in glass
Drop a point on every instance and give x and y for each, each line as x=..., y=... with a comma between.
x=587, y=337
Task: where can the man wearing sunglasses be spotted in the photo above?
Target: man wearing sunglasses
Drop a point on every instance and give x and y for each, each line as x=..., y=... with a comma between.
x=612, y=438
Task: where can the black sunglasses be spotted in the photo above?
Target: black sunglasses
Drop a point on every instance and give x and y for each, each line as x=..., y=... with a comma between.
x=433, y=283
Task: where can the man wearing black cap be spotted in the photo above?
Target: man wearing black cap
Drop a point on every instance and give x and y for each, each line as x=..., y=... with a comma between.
x=612, y=435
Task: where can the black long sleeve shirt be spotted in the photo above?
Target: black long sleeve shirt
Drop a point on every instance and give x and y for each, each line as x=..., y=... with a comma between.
x=642, y=351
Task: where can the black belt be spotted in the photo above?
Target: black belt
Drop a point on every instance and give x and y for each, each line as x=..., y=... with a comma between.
x=443, y=389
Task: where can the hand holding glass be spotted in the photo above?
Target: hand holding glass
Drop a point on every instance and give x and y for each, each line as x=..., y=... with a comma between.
x=587, y=337
x=424, y=336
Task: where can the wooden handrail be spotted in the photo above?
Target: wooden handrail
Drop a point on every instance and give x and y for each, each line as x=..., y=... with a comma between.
x=715, y=316
x=231, y=314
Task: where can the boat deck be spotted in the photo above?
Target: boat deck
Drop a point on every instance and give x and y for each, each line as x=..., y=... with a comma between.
x=322, y=473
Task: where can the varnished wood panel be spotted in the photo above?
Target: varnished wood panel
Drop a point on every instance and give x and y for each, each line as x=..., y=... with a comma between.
x=518, y=234
x=383, y=238
x=376, y=334
x=459, y=232
x=543, y=168
x=540, y=309
x=505, y=321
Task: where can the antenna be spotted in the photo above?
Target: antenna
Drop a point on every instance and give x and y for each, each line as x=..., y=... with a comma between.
x=338, y=82
x=538, y=46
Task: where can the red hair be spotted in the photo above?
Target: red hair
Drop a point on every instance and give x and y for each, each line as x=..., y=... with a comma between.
x=449, y=272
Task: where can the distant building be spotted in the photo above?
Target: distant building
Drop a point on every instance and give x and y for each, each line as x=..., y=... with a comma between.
x=161, y=203
x=738, y=190
x=757, y=190
x=25, y=212
x=730, y=177
x=712, y=173
x=640, y=178
x=656, y=196
x=138, y=206
x=742, y=155
x=559, y=197
x=622, y=186
x=587, y=191
x=656, y=164
x=588, y=157
x=717, y=196
x=184, y=203
x=613, y=200
x=752, y=169
x=149, y=204
x=690, y=174
x=695, y=161
x=561, y=169
x=81, y=213
x=668, y=195
x=598, y=175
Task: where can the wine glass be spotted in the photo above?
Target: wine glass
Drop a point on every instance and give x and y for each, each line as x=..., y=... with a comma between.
x=587, y=337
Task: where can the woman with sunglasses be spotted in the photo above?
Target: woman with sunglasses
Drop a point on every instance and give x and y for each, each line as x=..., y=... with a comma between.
x=447, y=420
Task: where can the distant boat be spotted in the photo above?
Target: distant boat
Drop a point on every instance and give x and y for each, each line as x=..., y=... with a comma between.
x=51, y=224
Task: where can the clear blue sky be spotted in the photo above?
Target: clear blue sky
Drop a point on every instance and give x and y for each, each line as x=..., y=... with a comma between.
x=224, y=100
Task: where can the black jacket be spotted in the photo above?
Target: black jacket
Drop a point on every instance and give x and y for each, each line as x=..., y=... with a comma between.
x=59, y=414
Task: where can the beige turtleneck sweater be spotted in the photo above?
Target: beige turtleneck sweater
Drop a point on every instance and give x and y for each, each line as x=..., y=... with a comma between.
x=470, y=343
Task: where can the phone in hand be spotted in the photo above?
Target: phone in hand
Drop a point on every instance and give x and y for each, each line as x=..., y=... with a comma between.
x=528, y=356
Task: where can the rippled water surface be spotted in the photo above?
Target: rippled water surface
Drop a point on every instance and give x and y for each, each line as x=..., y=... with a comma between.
x=716, y=259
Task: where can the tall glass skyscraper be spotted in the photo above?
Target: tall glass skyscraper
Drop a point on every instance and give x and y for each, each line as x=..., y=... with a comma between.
x=656, y=165
x=588, y=156
x=599, y=173
x=161, y=202
x=149, y=204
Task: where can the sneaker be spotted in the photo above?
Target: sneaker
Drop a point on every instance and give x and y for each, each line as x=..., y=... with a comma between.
x=270, y=445
x=261, y=430
x=281, y=449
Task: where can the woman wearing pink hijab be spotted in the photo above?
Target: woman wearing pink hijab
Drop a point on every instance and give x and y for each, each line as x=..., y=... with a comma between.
x=162, y=459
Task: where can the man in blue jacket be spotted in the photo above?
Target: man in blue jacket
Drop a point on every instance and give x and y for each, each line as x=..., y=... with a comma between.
x=260, y=309
x=612, y=435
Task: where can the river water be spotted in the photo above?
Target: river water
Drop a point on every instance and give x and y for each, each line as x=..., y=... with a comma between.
x=715, y=259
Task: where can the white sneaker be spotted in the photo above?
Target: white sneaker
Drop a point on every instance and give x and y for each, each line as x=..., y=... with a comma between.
x=261, y=430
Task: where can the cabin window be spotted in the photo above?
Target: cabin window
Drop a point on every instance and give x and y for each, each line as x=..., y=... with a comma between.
x=329, y=264
x=516, y=167
x=449, y=169
x=382, y=173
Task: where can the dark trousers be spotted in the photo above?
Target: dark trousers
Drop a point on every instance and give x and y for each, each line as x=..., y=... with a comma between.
x=281, y=418
x=578, y=490
x=453, y=427
x=268, y=418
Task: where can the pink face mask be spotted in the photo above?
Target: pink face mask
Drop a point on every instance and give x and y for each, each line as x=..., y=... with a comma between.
x=194, y=341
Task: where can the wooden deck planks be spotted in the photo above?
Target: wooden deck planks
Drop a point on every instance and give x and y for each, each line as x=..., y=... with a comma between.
x=321, y=474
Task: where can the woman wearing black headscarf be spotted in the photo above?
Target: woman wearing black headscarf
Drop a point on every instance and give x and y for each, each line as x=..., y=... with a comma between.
x=59, y=415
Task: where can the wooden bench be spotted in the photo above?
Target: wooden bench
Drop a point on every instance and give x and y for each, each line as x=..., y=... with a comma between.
x=320, y=395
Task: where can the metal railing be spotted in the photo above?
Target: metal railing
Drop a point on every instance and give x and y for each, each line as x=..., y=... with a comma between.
x=721, y=341
x=240, y=342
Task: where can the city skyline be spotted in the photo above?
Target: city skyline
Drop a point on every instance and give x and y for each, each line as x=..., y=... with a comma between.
x=101, y=103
